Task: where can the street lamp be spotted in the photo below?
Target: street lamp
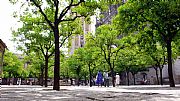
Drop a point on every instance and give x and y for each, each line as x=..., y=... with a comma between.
x=2, y=50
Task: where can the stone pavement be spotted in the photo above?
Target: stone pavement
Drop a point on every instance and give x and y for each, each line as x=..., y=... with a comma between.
x=85, y=93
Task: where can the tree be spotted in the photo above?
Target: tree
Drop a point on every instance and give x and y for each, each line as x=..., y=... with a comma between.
x=149, y=46
x=89, y=55
x=34, y=66
x=131, y=59
x=12, y=66
x=160, y=16
x=35, y=37
x=128, y=59
x=107, y=40
x=64, y=67
x=76, y=66
x=158, y=55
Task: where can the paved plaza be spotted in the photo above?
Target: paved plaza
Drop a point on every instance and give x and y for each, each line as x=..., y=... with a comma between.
x=85, y=93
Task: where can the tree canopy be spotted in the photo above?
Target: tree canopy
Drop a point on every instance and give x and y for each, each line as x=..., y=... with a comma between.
x=161, y=17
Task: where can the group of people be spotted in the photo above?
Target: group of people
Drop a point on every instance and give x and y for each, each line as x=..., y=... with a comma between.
x=102, y=79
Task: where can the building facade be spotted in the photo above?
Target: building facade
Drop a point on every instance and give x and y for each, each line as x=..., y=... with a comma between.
x=107, y=15
x=150, y=75
x=2, y=50
x=79, y=40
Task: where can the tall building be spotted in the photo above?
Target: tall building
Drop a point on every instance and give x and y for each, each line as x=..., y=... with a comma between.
x=79, y=40
x=107, y=15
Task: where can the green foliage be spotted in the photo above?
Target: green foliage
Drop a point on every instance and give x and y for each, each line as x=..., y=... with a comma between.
x=33, y=65
x=160, y=22
x=155, y=24
x=55, y=12
x=107, y=40
x=136, y=39
x=75, y=65
x=12, y=66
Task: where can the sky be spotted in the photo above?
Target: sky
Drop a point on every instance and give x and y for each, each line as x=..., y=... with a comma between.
x=7, y=22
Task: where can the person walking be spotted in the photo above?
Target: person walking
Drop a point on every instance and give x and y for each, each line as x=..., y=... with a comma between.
x=99, y=78
x=19, y=81
x=117, y=79
x=106, y=79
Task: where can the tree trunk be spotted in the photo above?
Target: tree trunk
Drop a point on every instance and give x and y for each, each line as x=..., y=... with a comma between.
x=42, y=75
x=56, y=59
x=67, y=75
x=9, y=78
x=46, y=71
x=156, y=69
x=161, y=79
x=78, y=69
x=78, y=79
x=113, y=77
x=170, y=71
x=134, y=77
x=127, y=77
x=121, y=78
x=71, y=80
x=90, y=76
x=85, y=80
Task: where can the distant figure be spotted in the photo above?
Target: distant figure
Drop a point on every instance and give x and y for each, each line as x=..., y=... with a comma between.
x=117, y=79
x=106, y=79
x=99, y=79
x=19, y=81
x=71, y=80
x=94, y=81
